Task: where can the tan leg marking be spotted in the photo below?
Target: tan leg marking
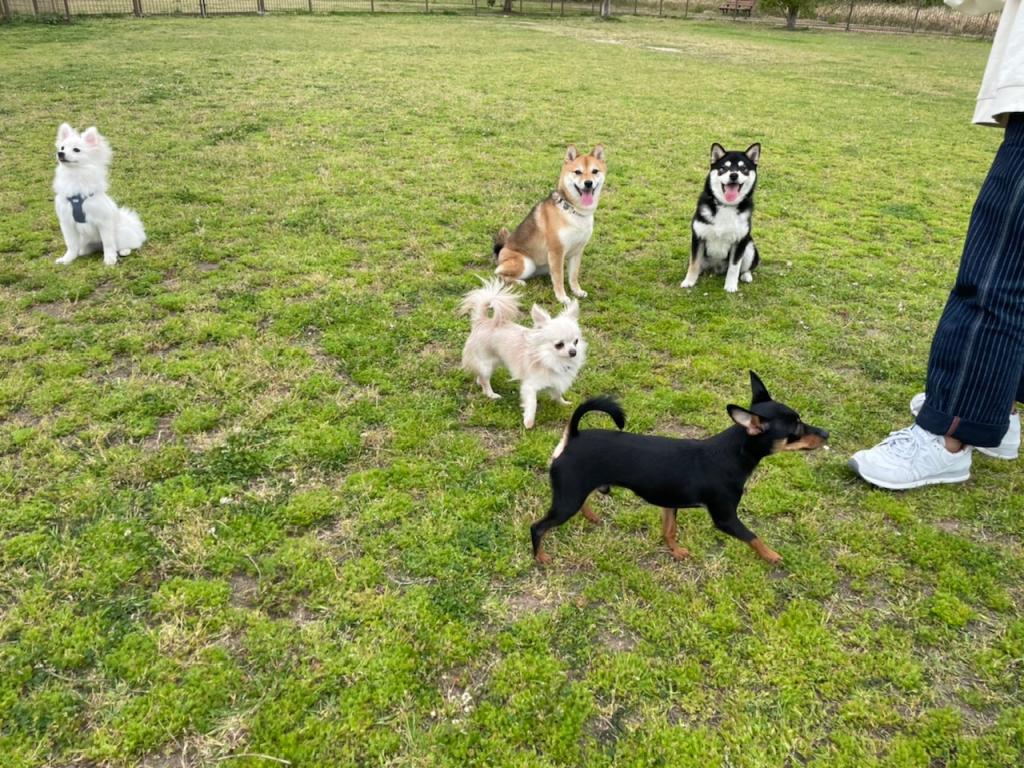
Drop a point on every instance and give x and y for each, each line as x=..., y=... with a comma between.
x=556, y=265
x=590, y=514
x=765, y=552
x=668, y=531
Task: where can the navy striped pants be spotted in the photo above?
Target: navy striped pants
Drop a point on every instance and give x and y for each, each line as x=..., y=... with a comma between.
x=976, y=368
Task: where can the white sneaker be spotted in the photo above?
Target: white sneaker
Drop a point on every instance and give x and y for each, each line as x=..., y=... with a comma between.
x=1008, y=449
x=910, y=458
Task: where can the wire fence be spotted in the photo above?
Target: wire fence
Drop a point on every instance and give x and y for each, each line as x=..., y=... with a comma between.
x=912, y=16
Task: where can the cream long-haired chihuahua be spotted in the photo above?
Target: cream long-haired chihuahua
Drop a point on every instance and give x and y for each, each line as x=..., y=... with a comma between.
x=544, y=358
x=89, y=219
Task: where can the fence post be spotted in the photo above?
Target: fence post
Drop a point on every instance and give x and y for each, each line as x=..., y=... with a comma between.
x=5, y=10
x=310, y=6
x=371, y=6
x=849, y=16
x=202, y=8
x=635, y=4
x=913, y=27
x=563, y=7
x=67, y=11
x=661, y=4
x=686, y=9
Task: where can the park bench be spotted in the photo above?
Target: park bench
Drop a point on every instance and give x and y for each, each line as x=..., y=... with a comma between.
x=737, y=7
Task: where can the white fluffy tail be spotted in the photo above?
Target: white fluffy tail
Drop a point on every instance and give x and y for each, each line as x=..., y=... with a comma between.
x=497, y=297
x=130, y=233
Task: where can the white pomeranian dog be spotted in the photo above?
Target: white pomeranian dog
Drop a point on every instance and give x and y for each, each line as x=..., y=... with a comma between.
x=545, y=358
x=89, y=219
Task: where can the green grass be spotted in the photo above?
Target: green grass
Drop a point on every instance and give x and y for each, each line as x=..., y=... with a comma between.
x=249, y=505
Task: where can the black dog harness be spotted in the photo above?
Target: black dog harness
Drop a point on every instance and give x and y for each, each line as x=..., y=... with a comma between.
x=76, y=206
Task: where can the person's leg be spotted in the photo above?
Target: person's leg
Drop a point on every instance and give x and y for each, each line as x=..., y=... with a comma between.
x=977, y=354
x=977, y=358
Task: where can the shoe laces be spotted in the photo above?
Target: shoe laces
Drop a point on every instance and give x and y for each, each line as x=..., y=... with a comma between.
x=903, y=443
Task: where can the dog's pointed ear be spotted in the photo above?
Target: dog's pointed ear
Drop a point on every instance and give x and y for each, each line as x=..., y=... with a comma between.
x=571, y=153
x=758, y=391
x=598, y=152
x=64, y=131
x=91, y=136
x=539, y=315
x=749, y=421
x=754, y=153
x=717, y=152
x=572, y=310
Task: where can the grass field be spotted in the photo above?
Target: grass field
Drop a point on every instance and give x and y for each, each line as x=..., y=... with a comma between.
x=252, y=512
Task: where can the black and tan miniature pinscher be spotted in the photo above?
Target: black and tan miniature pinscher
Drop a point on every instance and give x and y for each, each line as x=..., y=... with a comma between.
x=673, y=473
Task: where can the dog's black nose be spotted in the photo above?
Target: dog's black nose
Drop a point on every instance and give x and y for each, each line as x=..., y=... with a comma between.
x=572, y=353
x=61, y=154
x=733, y=176
x=588, y=184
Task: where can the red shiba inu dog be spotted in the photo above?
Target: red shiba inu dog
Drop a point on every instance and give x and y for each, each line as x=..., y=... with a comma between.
x=557, y=229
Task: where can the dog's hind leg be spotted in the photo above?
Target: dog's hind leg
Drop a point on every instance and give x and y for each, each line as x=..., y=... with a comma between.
x=696, y=257
x=668, y=531
x=514, y=267
x=563, y=507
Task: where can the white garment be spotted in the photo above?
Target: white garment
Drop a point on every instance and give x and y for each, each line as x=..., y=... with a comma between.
x=1002, y=88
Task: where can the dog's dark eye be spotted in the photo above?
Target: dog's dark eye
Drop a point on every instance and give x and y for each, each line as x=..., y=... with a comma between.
x=576, y=342
x=559, y=344
x=579, y=172
x=596, y=171
x=77, y=149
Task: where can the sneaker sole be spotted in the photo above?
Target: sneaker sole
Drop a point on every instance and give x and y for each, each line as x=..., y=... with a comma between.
x=941, y=479
x=996, y=454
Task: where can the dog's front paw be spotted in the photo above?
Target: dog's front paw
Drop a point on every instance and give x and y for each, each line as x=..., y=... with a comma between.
x=67, y=258
x=688, y=283
x=125, y=252
x=679, y=553
x=731, y=288
x=110, y=259
x=746, y=277
x=528, y=422
x=579, y=293
x=563, y=401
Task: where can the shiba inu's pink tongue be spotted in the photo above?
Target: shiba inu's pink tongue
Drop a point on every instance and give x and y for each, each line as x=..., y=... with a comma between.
x=732, y=191
x=587, y=198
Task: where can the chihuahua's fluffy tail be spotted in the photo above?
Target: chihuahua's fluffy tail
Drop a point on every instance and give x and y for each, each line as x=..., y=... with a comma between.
x=496, y=301
x=499, y=240
x=605, y=404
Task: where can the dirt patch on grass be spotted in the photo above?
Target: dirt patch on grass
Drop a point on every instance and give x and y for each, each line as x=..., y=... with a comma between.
x=495, y=442
x=161, y=436
x=244, y=590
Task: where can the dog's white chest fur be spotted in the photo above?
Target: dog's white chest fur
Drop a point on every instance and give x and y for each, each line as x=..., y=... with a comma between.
x=575, y=232
x=728, y=226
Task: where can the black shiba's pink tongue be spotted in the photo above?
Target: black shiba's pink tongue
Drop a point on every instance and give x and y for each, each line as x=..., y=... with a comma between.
x=587, y=198
x=732, y=192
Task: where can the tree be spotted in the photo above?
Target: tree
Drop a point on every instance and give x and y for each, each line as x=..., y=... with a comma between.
x=507, y=7
x=791, y=9
x=606, y=9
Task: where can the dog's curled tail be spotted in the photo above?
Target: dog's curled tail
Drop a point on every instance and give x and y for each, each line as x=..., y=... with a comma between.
x=130, y=232
x=605, y=404
x=495, y=297
x=499, y=240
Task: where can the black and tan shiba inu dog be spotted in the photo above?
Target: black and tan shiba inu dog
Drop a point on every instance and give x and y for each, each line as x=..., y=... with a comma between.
x=557, y=229
x=721, y=238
